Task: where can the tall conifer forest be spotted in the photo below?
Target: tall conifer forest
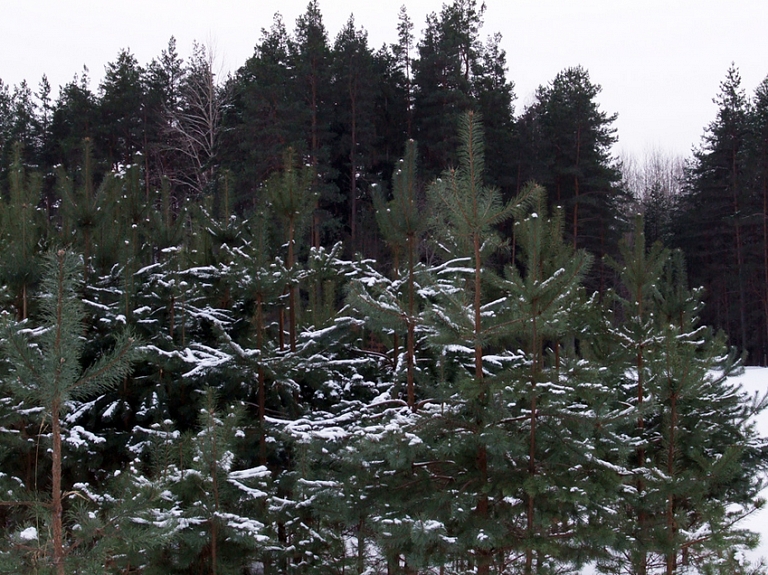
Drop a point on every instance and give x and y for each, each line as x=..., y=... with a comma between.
x=347, y=311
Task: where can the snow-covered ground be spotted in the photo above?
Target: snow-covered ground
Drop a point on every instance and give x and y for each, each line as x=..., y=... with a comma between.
x=755, y=380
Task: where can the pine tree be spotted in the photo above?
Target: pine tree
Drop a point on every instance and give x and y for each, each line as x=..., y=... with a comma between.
x=75, y=121
x=468, y=211
x=544, y=300
x=45, y=120
x=495, y=98
x=391, y=117
x=758, y=163
x=402, y=53
x=162, y=92
x=403, y=226
x=292, y=199
x=86, y=208
x=716, y=234
x=265, y=112
x=354, y=86
x=260, y=280
x=310, y=60
x=219, y=510
x=569, y=140
x=121, y=131
x=49, y=374
x=23, y=125
x=692, y=476
x=21, y=236
x=442, y=77
x=639, y=273
x=5, y=114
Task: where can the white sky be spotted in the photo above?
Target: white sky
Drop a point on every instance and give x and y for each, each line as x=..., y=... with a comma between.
x=659, y=62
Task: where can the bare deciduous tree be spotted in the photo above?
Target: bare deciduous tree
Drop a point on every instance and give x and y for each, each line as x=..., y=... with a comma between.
x=656, y=169
x=655, y=182
x=194, y=125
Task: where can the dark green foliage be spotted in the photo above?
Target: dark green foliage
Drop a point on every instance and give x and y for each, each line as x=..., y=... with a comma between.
x=683, y=479
x=758, y=160
x=443, y=75
x=566, y=146
x=355, y=87
x=403, y=225
x=265, y=110
x=22, y=230
x=221, y=523
x=162, y=94
x=711, y=223
x=75, y=120
x=121, y=129
x=22, y=124
x=495, y=101
x=456, y=390
x=47, y=374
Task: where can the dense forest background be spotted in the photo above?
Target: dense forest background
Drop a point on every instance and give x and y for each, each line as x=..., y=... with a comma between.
x=347, y=109
x=347, y=310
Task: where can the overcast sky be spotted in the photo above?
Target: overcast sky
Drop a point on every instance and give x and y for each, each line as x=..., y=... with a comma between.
x=660, y=62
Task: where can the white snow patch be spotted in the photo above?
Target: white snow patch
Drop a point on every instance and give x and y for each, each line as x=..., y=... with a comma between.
x=29, y=534
x=753, y=381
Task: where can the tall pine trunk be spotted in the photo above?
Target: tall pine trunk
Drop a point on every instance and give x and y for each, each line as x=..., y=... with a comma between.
x=765, y=267
x=262, y=391
x=291, y=288
x=411, y=353
x=353, y=168
x=56, y=509
x=739, y=249
x=671, y=559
